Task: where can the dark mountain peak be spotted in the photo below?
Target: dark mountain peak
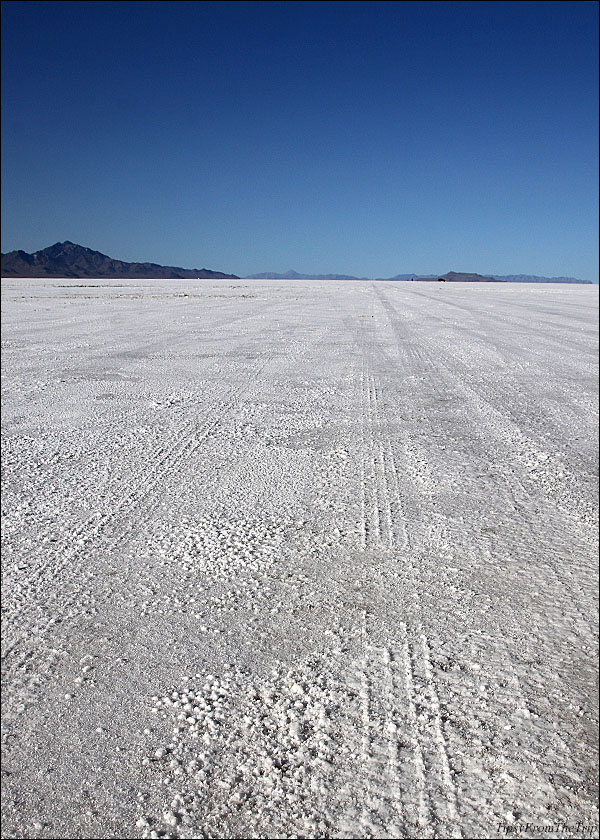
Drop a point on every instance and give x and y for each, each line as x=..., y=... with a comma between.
x=67, y=259
x=67, y=247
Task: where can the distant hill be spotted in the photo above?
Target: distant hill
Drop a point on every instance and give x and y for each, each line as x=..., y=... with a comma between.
x=293, y=275
x=67, y=260
x=532, y=278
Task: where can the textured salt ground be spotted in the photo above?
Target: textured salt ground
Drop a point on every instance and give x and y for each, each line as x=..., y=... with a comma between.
x=299, y=559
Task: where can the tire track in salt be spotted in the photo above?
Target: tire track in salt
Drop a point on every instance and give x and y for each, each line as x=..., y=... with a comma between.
x=488, y=417
x=428, y=770
x=380, y=500
x=363, y=473
x=431, y=764
x=437, y=771
x=446, y=804
x=392, y=665
x=376, y=502
x=421, y=359
x=521, y=721
x=366, y=746
x=419, y=815
x=384, y=507
x=406, y=786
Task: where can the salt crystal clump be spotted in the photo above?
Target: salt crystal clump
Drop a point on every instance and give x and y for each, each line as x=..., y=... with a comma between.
x=171, y=818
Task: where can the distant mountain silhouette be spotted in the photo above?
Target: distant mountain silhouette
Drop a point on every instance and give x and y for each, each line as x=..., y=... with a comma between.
x=293, y=275
x=450, y=276
x=533, y=278
x=67, y=260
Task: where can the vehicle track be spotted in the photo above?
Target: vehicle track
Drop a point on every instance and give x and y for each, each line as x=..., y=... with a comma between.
x=420, y=542
x=393, y=536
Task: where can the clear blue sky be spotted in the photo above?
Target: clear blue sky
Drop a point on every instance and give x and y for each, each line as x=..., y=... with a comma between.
x=358, y=138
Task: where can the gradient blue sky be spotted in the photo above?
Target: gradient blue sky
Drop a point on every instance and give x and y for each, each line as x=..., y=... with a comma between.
x=359, y=138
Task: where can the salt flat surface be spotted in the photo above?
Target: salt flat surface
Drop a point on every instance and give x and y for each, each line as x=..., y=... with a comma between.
x=299, y=559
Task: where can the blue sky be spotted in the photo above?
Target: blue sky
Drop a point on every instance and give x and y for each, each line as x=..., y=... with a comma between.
x=359, y=138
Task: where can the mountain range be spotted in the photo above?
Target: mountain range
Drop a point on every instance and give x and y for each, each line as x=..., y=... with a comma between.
x=450, y=276
x=67, y=260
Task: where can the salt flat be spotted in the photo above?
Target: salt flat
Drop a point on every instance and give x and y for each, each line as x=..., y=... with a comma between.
x=299, y=559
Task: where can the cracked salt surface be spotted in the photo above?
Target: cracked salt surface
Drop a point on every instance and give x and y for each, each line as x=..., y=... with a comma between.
x=299, y=559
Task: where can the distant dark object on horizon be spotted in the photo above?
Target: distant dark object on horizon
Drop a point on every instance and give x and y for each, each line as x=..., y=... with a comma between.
x=67, y=260
x=462, y=277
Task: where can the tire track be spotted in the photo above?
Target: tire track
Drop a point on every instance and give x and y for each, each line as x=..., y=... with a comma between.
x=431, y=749
x=403, y=753
x=516, y=761
x=379, y=490
x=372, y=519
x=427, y=772
x=384, y=509
x=393, y=760
x=369, y=808
x=420, y=817
x=447, y=803
x=382, y=778
x=521, y=720
x=490, y=420
x=523, y=321
x=379, y=511
x=424, y=544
